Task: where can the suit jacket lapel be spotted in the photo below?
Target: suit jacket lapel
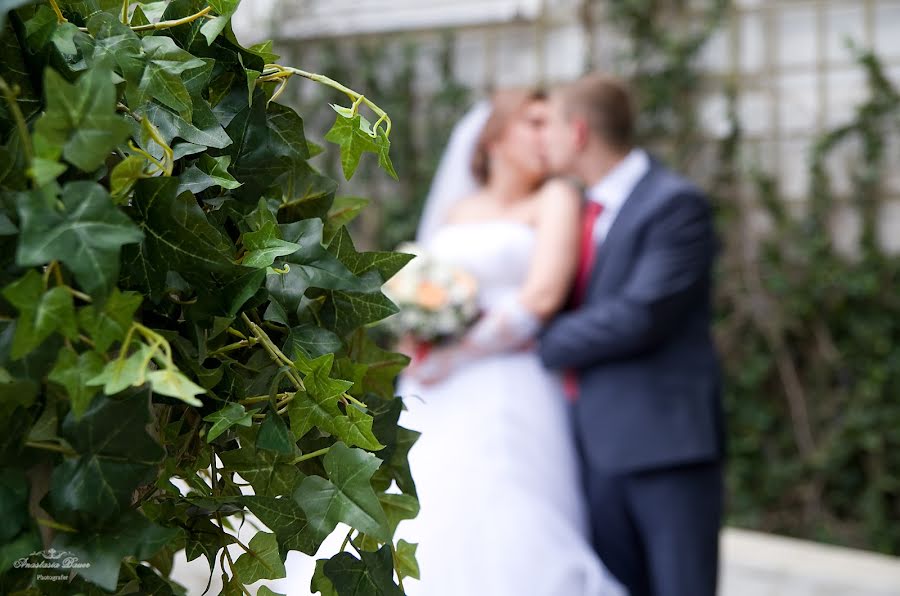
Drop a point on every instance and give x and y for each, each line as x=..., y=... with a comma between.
x=630, y=209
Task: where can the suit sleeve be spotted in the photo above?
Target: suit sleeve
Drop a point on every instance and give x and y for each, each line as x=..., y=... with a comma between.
x=669, y=276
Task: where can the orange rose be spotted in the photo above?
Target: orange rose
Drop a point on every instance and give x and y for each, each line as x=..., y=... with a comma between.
x=431, y=296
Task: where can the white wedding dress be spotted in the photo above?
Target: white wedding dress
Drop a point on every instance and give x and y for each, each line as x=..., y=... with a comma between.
x=495, y=468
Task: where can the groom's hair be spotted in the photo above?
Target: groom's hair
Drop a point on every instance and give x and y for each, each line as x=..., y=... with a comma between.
x=605, y=103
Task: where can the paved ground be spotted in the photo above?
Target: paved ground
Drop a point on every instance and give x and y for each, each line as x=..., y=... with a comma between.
x=757, y=564
x=753, y=564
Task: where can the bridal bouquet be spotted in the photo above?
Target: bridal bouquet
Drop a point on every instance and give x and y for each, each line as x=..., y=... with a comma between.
x=437, y=301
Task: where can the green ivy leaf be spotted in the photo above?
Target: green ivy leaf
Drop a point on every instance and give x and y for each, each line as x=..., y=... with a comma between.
x=354, y=140
x=310, y=266
x=312, y=341
x=7, y=227
x=206, y=173
x=86, y=234
x=139, y=17
x=44, y=171
x=398, y=441
x=125, y=174
x=371, y=576
x=345, y=311
x=262, y=562
x=356, y=429
x=40, y=313
x=320, y=581
x=108, y=324
x=133, y=535
x=381, y=366
x=264, y=51
x=80, y=122
x=232, y=414
x=15, y=393
x=346, y=496
x=306, y=193
x=343, y=211
x=13, y=503
x=406, y=563
x=398, y=507
x=384, y=155
x=203, y=129
x=318, y=405
x=174, y=383
x=213, y=27
x=265, y=245
x=270, y=473
x=73, y=371
x=122, y=373
x=206, y=539
x=274, y=435
x=180, y=238
x=162, y=76
x=286, y=518
x=255, y=161
x=387, y=264
x=286, y=127
x=116, y=454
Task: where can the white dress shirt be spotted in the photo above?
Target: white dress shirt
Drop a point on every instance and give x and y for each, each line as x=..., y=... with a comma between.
x=615, y=188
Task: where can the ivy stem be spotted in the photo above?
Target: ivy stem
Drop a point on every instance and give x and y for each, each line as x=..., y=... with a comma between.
x=49, y=523
x=53, y=269
x=80, y=295
x=394, y=558
x=235, y=333
x=274, y=353
x=167, y=24
x=353, y=400
x=125, y=12
x=10, y=94
x=46, y=446
x=234, y=574
x=273, y=72
x=310, y=455
x=244, y=343
x=59, y=15
x=147, y=156
x=355, y=107
x=256, y=399
x=346, y=540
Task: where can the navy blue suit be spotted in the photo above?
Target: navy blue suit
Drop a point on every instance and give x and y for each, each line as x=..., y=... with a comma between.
x=648, y=420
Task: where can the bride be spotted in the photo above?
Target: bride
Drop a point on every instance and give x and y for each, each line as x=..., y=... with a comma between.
x=501, y=503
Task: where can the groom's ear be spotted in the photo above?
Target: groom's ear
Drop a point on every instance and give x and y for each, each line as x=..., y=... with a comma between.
x=582, y=132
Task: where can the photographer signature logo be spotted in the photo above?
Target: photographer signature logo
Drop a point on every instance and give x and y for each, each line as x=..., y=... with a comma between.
x=50, y=559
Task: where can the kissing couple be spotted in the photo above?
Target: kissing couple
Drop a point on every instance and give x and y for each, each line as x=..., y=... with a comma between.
x=572, y=440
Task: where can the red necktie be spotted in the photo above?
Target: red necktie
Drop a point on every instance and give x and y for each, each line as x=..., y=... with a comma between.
x=587, y=253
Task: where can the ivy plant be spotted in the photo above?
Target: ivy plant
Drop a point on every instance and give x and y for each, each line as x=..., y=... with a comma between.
x=183, y=312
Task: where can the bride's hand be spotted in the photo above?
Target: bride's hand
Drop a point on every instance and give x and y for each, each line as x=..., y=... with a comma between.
x=436, y=365
x=407, y=345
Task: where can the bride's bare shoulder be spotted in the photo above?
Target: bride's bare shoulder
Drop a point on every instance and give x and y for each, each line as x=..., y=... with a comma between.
x=560, y=188
x=558, y=194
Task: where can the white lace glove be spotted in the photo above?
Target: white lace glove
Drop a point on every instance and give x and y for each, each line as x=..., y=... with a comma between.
x=506, y=327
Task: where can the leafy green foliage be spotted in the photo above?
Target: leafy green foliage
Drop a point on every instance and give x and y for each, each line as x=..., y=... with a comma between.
x=179, y=298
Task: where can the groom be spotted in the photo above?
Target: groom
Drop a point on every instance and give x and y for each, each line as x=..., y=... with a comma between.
x=636, y=351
